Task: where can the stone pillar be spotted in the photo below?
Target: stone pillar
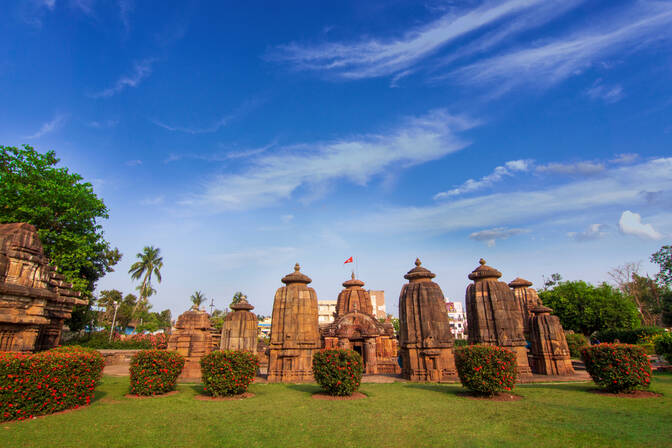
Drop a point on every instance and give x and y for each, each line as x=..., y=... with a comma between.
x=550, y=353
x=371, y=365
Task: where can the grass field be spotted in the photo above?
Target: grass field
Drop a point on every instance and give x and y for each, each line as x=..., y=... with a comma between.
x=393, y=415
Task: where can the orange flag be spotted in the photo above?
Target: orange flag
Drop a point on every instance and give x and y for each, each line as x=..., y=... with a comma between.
x=349, y=260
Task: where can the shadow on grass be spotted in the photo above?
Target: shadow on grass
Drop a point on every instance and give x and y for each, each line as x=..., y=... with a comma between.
x=306, y=388
x=567, y=387
x=433, y=387
x=98, y=395
x=197, y=388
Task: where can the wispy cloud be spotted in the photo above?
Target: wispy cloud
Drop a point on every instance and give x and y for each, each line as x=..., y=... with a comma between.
x=383, y=57
x=490, y=236
x=141, y=70
x=556, y=60
x=593, y=232
x=50, y=126
x=273, y=177
x=125, y=9
x=631, y=224
x=625, y=158
x=508, y=169
x=105, y=124
x=136, y=162
x=157, y=200
x=575, y=168
x=219, y=156
x=608, y=94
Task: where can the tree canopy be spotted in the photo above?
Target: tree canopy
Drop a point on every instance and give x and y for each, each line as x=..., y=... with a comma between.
x=149, y=263
x=585, y=308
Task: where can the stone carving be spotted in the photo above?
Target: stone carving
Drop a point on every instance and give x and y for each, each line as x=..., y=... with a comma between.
x=550, y=353
x=295, y=334
x=493, y=316
x=35, y=300
x=356, y=328
x=425, y=340
x=239, y=329
x=526, y=299
x=192, y=338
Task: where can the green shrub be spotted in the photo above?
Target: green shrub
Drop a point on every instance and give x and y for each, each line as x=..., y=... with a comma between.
x=618, y=367
x=576, y=342
x=626, y=336
x=47, y=382
x=339, y=372
x=155, y=371
x=101, y=340
x=663, y=344
x=461, y=342
x=486, y=369
x=228, y=372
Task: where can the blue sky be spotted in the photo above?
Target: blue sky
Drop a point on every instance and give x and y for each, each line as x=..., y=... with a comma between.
x=242, y=139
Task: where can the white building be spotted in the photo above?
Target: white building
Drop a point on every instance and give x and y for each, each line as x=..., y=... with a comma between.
x=458, y=319
x=325, y=311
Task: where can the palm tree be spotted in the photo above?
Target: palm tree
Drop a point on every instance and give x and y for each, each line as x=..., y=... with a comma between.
x=149, y=263
x=237, y=297
x=197, y=298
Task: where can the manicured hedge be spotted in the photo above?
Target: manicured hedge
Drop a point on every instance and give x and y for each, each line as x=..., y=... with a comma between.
x=663, y=344
x=228, y=372
x=625, y=336
x=47, y=382
x=101, y=340
x=576, y=342
x=486, y=369
x=618, y=367
x=339, y=372
x=155, y=371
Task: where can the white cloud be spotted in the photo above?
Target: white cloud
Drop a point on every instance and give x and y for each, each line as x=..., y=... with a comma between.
x=631, y=224
x=49, y=126
x=608, y=94
x=499, y=233
x=577, y=168
x=50, y=4
x=552, y=62
x=616, y=186
x=273, y=177
x=125, y=9
x=593, y=232
x=376, y=57
x=242, y=110
x=625, y=158
x=498, y=174
x=219, y=156
x=141, y=70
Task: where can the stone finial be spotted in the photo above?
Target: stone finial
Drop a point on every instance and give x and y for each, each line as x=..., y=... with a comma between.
x=520, y=283
x=353, y=282
x=419, y=272
x=418, y=262
x=297, y=268
x=482, y=261
x=484, y=271
x=296, y=276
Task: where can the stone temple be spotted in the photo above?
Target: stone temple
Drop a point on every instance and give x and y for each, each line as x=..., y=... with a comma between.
x=493, y=315
x=526, y=299
x=355, y=327
x=239, y=329
x=295, y=333
x=35, y=300
x=192, y=338
x=425, y=340
x=550, y=353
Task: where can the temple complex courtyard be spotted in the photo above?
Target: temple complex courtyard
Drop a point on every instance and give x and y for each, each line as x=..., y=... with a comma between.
x=392, y=415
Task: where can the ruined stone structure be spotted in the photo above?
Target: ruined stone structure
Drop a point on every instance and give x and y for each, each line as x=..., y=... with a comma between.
x=239, y=330
x=550, y=353
x=526, y=299
x=355, y=327
x=35, y=300
x=192, y=338
x=295, y=334
x=425, y=340
x=493, y=316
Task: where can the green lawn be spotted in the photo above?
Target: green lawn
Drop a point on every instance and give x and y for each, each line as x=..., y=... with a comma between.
x=394, y=415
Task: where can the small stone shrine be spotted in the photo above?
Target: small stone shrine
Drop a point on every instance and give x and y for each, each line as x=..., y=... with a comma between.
x=550, y=353
x=425, y=340
x=356, y=328
x=239, y=329
x=493, y=316
x=192, y=338
x=526, y=299
x=295, y=333
x=35, y=300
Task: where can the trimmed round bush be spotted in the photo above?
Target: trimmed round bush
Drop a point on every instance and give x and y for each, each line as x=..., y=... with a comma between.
x=339, y=372
x=663, y=344
x=155, y=371
x=576, y=342
x=47, y=382
x=618, y=367
x=227, y=372
x=486, y=369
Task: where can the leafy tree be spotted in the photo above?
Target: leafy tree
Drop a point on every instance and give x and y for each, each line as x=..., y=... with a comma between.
x=106, y=299
x=217, y=318
x=585, y=308
x=647, y=294
x=551, y=282
x=198, y=298
x=66, y=213
x=149, y=263
x=237, y=297
x=663, y=258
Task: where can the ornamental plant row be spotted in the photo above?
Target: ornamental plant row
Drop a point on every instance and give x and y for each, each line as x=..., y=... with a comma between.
x=226, y=373
x=155, y=371
x=486, y=369
x=47, y=382
x=339, y=372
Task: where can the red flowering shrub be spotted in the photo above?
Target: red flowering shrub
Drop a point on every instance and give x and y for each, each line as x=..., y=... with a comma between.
x=155, y=371
x=338, y=372
x=486, y=369
x=47, y=382
x=228, y=372
x=157, y=341
x=618, y=367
